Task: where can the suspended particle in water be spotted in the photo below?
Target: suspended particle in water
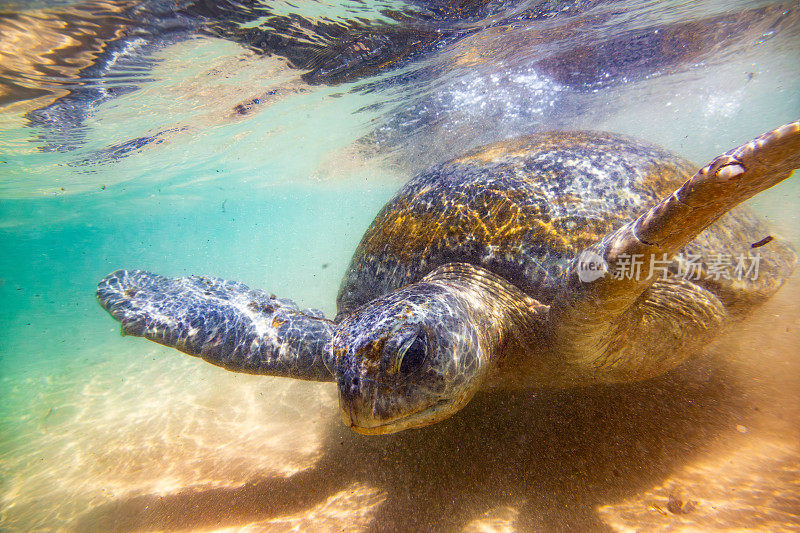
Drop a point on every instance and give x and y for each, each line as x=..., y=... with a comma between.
x=762, y=242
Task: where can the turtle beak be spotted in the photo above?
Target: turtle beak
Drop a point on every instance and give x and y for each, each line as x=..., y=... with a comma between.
x=359, y=399
x=353, y=419
x=356, y=399
x=350, y=399
x=372, y=408
x=360, y=420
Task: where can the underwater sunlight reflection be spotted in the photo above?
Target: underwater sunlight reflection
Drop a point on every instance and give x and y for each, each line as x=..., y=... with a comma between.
x=256, y=141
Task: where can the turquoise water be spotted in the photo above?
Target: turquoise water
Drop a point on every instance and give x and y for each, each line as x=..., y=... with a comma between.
x=100, y=432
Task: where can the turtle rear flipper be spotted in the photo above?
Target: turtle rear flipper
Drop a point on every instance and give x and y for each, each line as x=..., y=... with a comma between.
x=604, y=285
x=223, y=322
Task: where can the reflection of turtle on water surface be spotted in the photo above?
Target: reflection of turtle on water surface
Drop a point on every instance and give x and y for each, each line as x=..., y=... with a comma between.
x=110, y=39
x=474, y=276
x=348, y=50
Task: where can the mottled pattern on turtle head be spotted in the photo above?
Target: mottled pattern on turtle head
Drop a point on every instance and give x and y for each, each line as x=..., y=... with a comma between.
x=410, y=358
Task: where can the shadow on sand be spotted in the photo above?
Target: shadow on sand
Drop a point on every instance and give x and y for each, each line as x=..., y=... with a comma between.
x=557, y=454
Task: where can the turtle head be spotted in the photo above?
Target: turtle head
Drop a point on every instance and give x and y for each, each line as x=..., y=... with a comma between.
x=408, y=359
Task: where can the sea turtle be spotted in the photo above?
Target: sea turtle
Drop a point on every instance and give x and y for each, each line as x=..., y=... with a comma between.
x=506, y=267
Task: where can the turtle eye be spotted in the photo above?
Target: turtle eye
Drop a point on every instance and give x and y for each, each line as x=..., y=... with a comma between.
x=412, y=355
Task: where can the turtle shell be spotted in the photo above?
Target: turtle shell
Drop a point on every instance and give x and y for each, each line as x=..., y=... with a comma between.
x=523, y=208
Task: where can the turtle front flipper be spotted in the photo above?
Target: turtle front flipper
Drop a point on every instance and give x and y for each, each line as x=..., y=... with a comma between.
x=223, y=322
x=604, y=288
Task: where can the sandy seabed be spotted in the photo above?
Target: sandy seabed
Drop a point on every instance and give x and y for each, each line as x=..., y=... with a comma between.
x=168, y=442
